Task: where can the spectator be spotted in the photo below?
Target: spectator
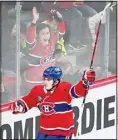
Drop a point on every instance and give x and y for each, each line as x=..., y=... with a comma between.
x=42, y=43
x=60, y=29
x=24, y=51
x=9, y=62
x=23, y=28
x=73, y=21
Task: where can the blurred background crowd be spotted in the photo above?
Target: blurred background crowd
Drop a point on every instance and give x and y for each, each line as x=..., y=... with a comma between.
x=53, y=33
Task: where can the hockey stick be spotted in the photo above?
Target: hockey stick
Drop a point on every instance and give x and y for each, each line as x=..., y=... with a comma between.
x=95, y=44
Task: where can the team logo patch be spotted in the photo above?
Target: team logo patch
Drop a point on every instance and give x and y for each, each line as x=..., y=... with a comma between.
x=46, y=60
x=47, y=108
x=39, y=98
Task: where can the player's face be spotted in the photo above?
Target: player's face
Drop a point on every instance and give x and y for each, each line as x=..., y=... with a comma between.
x=48, y=83
x=44, y=36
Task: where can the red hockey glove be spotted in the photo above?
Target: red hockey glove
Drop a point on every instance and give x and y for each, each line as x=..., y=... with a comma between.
x=17, y=108
x=88, y=77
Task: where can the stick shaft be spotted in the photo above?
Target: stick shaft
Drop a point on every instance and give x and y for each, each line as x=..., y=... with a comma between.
x=95, y=44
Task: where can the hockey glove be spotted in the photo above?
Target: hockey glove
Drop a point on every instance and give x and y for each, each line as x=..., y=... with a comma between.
x=88, y=77
x=17, y=107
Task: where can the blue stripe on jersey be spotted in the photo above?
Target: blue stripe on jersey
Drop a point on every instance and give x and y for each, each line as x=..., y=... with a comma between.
x=30, y=45
x=62, y=107
x=73, y=93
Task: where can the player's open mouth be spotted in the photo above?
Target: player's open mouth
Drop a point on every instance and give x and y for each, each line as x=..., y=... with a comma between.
x=45, y=40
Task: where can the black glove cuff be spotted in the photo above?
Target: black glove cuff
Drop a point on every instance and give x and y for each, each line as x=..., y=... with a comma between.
x=86, y=83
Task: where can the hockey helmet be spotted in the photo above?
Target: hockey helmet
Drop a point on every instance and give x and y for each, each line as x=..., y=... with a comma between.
x=53, y=72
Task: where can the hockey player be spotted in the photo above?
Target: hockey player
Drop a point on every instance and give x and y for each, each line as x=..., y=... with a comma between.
x=54, y=101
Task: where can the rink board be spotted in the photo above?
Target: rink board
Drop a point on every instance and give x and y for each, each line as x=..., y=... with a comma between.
x=96, y=119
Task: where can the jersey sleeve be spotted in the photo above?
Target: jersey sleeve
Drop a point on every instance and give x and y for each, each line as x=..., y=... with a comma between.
x=77, y=90
x=30, y=100
x=31, y=36
x=61, y=27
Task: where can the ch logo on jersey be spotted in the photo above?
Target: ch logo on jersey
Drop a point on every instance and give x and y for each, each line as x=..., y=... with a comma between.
x=46, y=60
x=47, y=108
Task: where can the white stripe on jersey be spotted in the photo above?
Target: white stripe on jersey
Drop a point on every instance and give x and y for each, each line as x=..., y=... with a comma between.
x=62, y=103
x=63, y=112
x=24, y=104
x=61, y=128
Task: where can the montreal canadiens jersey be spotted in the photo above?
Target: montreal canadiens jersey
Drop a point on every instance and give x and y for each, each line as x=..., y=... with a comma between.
x=56, y=112
x=39, y=53
x=40, y=56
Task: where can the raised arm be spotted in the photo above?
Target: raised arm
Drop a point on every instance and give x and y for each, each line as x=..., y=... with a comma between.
x=78, y=90
x=31, y=30
x=61, y=30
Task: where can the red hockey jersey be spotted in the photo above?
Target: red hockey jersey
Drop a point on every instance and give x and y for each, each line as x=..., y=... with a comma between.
x=40, y=53
x=56, y=112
